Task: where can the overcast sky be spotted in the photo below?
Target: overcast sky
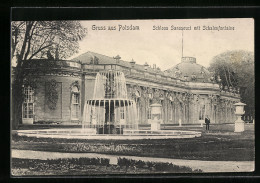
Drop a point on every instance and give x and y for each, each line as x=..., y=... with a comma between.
x=164, y=47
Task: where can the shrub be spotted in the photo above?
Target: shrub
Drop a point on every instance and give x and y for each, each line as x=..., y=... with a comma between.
x=123, y=162
x=140, y=164
x=157, y=166
x=58, y=164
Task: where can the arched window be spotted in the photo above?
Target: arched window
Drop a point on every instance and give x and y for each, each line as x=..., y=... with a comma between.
x=75, y=103
x=28, y=105
x=202, y=112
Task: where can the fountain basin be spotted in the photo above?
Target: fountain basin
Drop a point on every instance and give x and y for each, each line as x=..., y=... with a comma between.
x=90, y=133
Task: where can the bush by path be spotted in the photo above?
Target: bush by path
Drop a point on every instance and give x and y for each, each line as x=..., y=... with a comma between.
x=154, y=166
x=91, y=166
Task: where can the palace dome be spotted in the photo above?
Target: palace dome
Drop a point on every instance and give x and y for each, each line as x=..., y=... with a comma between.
x=189, y=70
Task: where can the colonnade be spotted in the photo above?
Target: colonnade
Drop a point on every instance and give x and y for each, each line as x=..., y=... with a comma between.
x=182, y=106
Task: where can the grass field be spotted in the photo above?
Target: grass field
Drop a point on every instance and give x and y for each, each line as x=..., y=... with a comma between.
x=216, y=145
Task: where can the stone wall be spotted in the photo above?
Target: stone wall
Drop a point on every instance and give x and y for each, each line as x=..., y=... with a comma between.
x=62, y=112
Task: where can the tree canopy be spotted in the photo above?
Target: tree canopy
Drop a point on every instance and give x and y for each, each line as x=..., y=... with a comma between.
x=236, y=70
x=34, y=39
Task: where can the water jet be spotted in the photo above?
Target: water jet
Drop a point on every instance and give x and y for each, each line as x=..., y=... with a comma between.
x=110, y=111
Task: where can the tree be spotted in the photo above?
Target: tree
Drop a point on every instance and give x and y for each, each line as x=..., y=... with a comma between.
x=236, y=70
x=39, y=39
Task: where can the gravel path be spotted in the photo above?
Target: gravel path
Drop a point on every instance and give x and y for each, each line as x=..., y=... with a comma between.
x=205, y=166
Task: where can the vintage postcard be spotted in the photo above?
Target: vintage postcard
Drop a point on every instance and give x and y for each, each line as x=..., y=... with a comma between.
x=132, y=97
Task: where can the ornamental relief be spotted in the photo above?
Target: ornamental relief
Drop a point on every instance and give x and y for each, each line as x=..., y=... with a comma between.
x=129, y=91
x=215, y=99
x=226, y=102
x=75, y=83
x=142, y=102
x=161, y=94
x=230, y=103
x=197, y=98
x=179, y=97
x=166, y=93
x=185, y=98
x=210, y=97
x=222, y=103
x=52, y=94
x=156, y=96
x=176, y=102
x=144, y=92
x=207, y=101
x=191, y=97
x=137, y=91
x=170, y=96
x=173, y=95
x=134, y=92
x=155, y=100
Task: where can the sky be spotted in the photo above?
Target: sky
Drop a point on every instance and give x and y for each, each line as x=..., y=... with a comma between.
x=164, y=47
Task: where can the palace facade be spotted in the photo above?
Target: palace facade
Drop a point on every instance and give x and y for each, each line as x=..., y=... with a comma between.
x=187, y=92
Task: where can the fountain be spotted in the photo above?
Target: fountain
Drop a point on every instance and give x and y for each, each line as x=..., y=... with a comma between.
x=110, y=115
x=110, y=111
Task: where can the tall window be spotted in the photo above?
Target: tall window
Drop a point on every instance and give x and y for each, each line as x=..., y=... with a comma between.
x=149, y=114
x=122, y=113
x=215, y=113
x=75, y=112
x=202, y=112
x=171, y=111
x=28, y=107
x=137, y=108
x=149, y=110
x=162, y=112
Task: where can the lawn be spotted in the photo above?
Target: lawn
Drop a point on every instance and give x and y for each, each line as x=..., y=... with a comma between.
x=215, y=146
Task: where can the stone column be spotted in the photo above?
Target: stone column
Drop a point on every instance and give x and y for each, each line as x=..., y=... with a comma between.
x=221, y=108
x=192, y=110
x=226, y=111
x=207, y=109
x=234, y=109
x=230, y=115
x=179, y=112
x=142, y=109
x=212, y=109
x=196, y=109
x=175, y=113
x=146, y=109
x=183, y=113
